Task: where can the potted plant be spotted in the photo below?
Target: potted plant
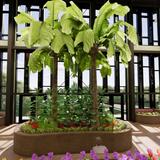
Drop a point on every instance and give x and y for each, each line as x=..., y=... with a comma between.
x=66, y=35
x=148, y=116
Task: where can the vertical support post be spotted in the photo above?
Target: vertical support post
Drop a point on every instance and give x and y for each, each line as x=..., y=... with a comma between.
x=66, y=79
x=140, y=82
x=151, y=82
x=122, y=106
x=131, y=98
x=26, y=73
x=10, y=98
x=1, y=53
x=79, y=79
x=40, y=74
x=92, y=15
x=117, y=73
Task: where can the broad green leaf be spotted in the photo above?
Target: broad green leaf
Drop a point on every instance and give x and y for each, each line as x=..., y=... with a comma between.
x=107, y=6
x=119, y=9
x=67, y=60
x=38, y=58
x=45, y=35
x=55, y=7
x=106, y=11
x=24, y=18
x=60, y=40
x=131, y=32
x=111, y=50
x=84, y=62
x=125, y=54
x=105, y=70
x=87, y=38
x=34, y=32
x=75, y=12
x=119, y=41
x=68, y=23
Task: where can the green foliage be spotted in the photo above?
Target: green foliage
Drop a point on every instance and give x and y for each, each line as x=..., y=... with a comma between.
x=87, y=38
x=40, y=58
x=60, y=40
x=54, y=7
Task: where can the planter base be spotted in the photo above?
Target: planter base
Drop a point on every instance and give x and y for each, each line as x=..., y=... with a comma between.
x=147, y=119
x=73, y=142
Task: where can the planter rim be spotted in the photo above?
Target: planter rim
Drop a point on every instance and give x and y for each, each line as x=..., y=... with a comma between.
x=18, y=131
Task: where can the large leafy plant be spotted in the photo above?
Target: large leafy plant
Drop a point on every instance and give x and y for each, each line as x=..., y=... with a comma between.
x=66, y=35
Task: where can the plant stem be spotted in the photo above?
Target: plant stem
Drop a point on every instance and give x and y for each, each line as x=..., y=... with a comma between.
x=54, y=86
x=93, y=85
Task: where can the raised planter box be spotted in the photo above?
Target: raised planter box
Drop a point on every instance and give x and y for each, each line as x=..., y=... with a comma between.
x=147, y=119
x=73, y=142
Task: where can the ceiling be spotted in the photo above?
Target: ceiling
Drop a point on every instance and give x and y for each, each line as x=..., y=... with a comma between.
x=98, y=3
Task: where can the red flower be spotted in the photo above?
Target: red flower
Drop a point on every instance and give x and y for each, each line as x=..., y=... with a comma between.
x=35, y=125
x=158, y=152
x=154, y=158
x=150, y=153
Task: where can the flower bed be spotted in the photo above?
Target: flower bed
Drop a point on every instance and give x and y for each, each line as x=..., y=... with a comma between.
x=148, y=116
x=106, y=156
x=73, y=141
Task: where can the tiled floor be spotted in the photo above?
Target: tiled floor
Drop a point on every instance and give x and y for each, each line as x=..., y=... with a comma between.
x=144, y=136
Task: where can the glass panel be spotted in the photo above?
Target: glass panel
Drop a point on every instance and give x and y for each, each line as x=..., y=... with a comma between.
x=157, y=81
x=122, y=75
x=136, y=75
x=3, y=103
x=85, y=12
x=87, y=20
x=85, y=78
x=99, y=79
x=97, y=12
x=22, y=8
x=5, y=24
x=144, y=27
x=111, y=20
x=26, y=107
x=158, y=101
x=155, y=28
x=73, y=82
x=145, y=61
x=61, y=74
x=33, y=81
x=4, y=56
x=20, y=80
x=135, y=59
x=19, y=28
x=155, y=43
x=135, y=20
x=111, y=80
x=156, y=63
x=6, y=7
x=146, y=101
x=146, y=79
x=34, y=7
x=46, y=89
x=144, y=41
x=46, y=76
x=46, y=13
x=4, y=69
x=144, y=14
x=20, y=60
x=35, y=15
